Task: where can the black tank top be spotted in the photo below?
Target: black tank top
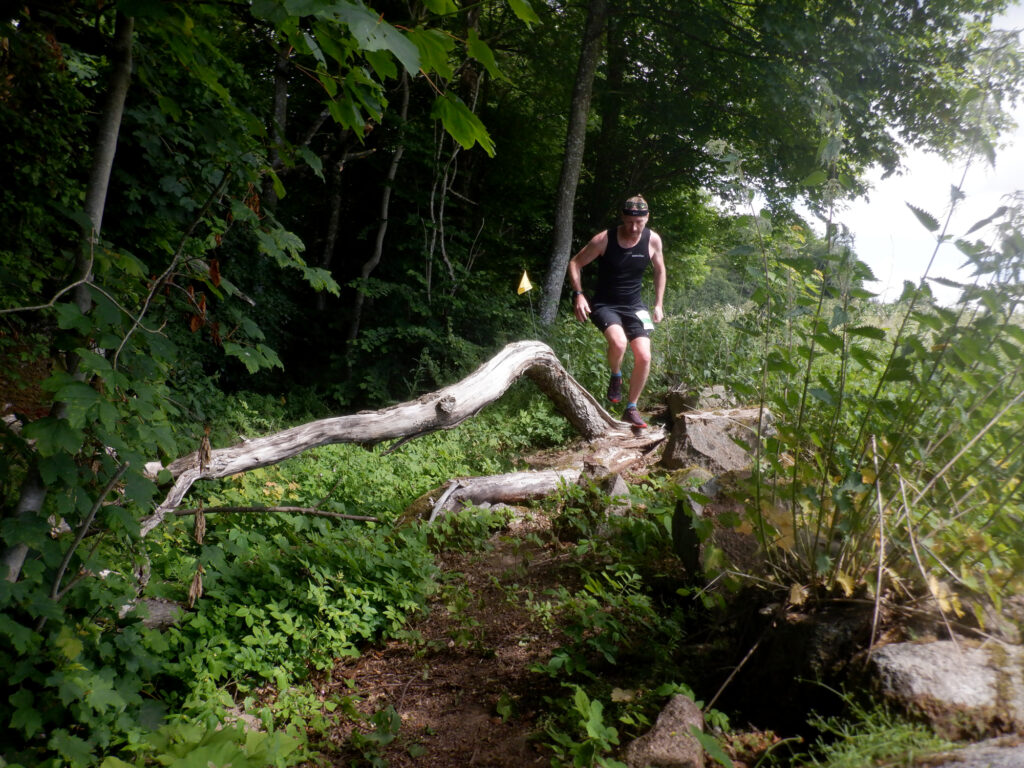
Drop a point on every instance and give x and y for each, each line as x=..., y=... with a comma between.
x=621, y=270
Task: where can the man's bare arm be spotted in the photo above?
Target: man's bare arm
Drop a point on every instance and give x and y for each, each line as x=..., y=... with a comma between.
x=660, y=277
x=587, y=254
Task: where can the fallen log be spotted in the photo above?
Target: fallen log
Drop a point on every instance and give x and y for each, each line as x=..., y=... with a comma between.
x=444, y=409
x=511, y=488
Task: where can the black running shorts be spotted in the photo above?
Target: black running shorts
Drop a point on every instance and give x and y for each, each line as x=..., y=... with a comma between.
x=635, y=321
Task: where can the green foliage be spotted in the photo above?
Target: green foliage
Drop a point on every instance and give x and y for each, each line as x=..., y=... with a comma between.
x=286, y=596
x=386, y=725
x=184, y=745
x=894, y=451
x=122, y=346
x=699, y=348
x=597, y=737
x=867, y=735
x=466, y=530
x=617, y=627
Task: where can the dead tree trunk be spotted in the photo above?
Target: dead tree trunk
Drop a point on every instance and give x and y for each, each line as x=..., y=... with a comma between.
x=443, y=409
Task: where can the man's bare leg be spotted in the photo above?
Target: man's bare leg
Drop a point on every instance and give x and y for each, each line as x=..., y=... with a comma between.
x=616, y=354
x=616, y=347
x=641, y=367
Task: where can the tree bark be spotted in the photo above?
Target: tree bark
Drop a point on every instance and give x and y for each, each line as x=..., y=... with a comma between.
x=512, y=488
x=382, y=228
x=572, y=162
x=33, y=491
x=444, y=409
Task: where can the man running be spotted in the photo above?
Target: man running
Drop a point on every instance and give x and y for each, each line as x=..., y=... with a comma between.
x=618, y=310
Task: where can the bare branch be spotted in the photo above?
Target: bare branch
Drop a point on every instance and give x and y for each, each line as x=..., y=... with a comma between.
x=55, y=593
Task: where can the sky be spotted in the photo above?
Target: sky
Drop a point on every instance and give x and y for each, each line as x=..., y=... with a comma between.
x=889, y=237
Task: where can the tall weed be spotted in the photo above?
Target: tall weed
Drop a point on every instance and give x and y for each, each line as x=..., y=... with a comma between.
x=898, y=448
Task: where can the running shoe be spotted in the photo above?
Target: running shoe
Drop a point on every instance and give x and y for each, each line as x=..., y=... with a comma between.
x=632, y=417
x=615, y=389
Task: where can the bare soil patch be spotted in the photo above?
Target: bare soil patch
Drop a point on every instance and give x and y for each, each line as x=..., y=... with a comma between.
x=463, y=686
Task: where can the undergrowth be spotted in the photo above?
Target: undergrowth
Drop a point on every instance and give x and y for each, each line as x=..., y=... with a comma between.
x=275, y=583
x=867, y=734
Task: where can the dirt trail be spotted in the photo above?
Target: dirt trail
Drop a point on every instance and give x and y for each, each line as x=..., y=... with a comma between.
x=470, y=664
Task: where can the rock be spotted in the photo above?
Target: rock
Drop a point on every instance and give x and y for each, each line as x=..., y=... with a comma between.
x=1005, y=623
x=686, y=541
x=682, y=399
x=715, y=439
x=988, y=754
x=670, y=744
x=963, y=691
x=711, y=398
x=608, y=482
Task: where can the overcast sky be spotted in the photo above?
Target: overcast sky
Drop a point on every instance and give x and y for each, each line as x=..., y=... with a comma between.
x=888, y=235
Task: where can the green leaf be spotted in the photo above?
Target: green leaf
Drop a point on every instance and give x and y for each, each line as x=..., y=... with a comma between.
x=69, y=644
x=21, y=636
x=91, y=362
x=312, y=160
x=465, y=127
x=821, y=394
x=346, y=114
x=338, y=47
x=930, y=222
x=75, y=750
x=70, y=317
x=103, y=696
x=868, y=332
x=314, y=49
x=279, y=188
x=441, y=6
x=374, y=34
x=865, y=357
x=138, y=488
x=58, y=467
x=482, y=52
x=434, y=47
x=54, y=436
x=383, y=64
x=839, y=317
x=79, y=398
x=986, y=221
x=26, y=717
x=814, y=179
x=304, y=7
x=711, y=746
x=524, y=11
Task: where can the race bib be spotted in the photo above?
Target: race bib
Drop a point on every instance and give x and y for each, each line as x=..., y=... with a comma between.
x=645, y=318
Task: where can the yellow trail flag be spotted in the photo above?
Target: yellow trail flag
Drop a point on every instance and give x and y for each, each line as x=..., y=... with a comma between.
x=524, y=284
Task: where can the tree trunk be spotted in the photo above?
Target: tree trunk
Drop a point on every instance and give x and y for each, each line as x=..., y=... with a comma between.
x=575, y=140
x=444, y=409
x=33, y=491
x=385, y=203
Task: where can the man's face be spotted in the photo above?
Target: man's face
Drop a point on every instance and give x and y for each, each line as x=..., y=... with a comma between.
x=634, y=225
